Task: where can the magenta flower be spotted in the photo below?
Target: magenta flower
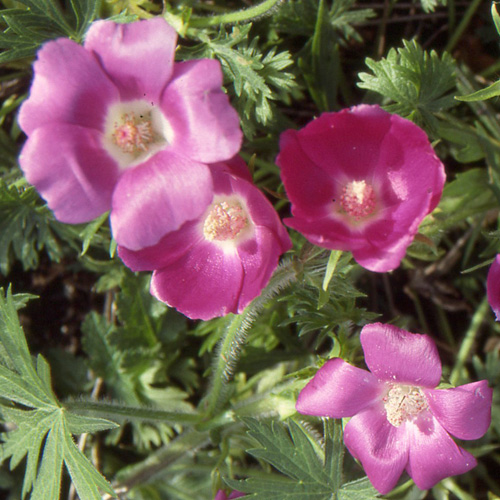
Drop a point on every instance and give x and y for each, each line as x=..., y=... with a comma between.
x=221, y=495
x=116, y=125
x=219, y=262
x=360, y=180
x=493, y=286
x=399, y=420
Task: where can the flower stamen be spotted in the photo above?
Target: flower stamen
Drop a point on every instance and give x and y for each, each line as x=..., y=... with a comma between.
x=358, y=199
x=402, y=403
x=225, y=221
x=133, y=135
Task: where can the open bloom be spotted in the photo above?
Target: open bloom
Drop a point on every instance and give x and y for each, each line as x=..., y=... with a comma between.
x=493, y=286
x=116, y=125
x=219, y=262
x=399, y=420
x=360, y=180
x=221, y=495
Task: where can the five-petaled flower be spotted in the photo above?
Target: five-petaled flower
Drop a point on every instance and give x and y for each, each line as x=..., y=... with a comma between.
x=360, y=180
x=116, y=125
x=399, y=420
x=493, y=286
x=220, y=261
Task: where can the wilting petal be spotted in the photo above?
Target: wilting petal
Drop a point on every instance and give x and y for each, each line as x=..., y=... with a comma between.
x=493, y=286
x=70, y=170
x=69, y=86
x=381, y=448
x=433, y=453
x=395, y=355
x=202, y=284
x=204, y=123
x=138, y=57
x=464, y=411
x=157, y=197
x=338, y=390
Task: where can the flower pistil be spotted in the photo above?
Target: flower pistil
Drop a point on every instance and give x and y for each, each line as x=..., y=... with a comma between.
x=402, y=403
x=225, y=221
x=358, y=199
x=133, y=134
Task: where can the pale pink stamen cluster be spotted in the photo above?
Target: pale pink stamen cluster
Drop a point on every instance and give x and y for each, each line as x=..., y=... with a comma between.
x=402, y=403
x=358, y=199
x=133, y=135
x=225, y=221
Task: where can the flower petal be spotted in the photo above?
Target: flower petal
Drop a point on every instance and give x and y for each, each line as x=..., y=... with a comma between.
x=433, y=453
x=169, y=249
x=464, y=411
x=157, y=197
x=309, y=188
x=69, y=86
x=493, y=286
x=71, y=171
x=138, y=57
x=205, y=126
x=259, y=257
x=395, y=355
x=381, y=448
x=348, y=141
x=338, y=390
x=202, y=284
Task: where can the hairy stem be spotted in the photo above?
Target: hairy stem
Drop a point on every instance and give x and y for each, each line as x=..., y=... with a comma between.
x=120, y=412
x=468, y=341
x=265, y=8
x=235, y=336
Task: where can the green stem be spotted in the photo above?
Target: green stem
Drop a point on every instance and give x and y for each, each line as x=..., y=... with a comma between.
x=263, y=9
x=158, y=461
x=463, y=25
x=120, y=412
x=235, y=336
x=468, y=341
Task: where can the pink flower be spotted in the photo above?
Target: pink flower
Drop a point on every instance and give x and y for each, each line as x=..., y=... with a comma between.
x=493, y=286
x=221, y=495
x=360, y=180
x=219, y=262
x=117, y=125
x=399, y=420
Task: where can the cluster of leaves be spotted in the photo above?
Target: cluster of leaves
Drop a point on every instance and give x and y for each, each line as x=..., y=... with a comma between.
x=257, y=79
x=43, y=20
x=419, y=83
x=41, y=428
x=187, y=406
x=310, y=471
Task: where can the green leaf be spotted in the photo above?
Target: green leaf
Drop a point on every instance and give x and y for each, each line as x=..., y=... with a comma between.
x=257, y=79
x=418, y=82
x=481, y=95
x=26, y=228
x=43, y=20
x=430, y=5
x=361, y=489
x=293, y=452
x=42, y=432
x=496, y=17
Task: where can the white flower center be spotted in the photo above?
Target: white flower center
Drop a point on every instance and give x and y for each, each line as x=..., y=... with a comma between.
x=358, y=199
x=225, y=221
x=134, y=131
x=402, y=403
